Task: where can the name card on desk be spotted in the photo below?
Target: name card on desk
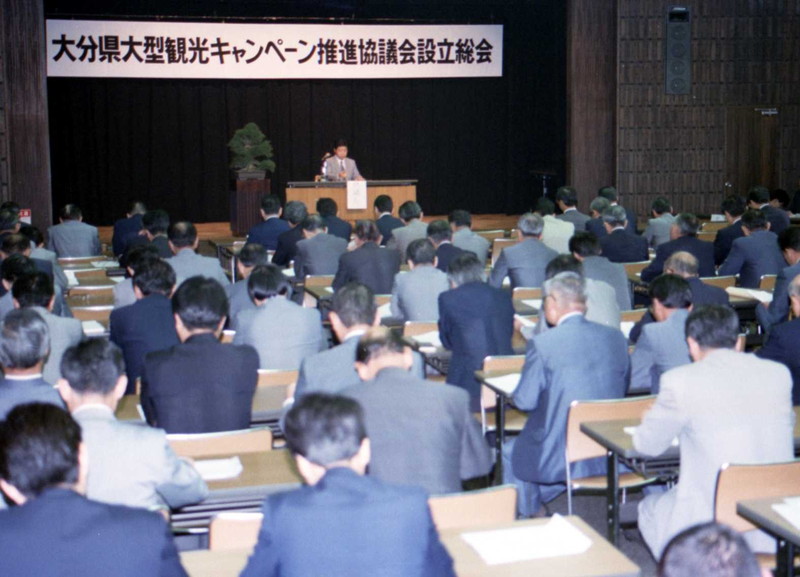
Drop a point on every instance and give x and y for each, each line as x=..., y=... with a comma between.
x=218, y=469
x=745, y=293
x=92, y=328
x=506, y=383
x=428, y=340
x=356, y=195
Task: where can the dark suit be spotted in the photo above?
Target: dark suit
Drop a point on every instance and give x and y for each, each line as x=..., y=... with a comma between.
x=338, y=227
x=124, y=230
x=632, y=225
x=62, y=533
x=724, y=241
x=778, y=218
x=421, y=433
x=782, y=346
x=15, y=392
x=386, y=224
x=350, y=525
x=596, y=227
x=238, y=300
x=200, y=386
x=287, y=246
x=703, y=251
x=753, y=256
x=371, y=265
x=623, y=246
x=266, y=233
x=161, y=242
x=143, y=327
x=445, y=254
x=778, y=310
x=475, y=320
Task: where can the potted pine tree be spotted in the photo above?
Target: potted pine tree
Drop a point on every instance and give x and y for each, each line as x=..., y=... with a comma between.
x=251, y=153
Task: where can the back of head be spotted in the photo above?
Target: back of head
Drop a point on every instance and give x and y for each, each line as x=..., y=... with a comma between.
x=661, y=206
x=567, y=195
x=754, y=219
x=324, y=428
x=734, y=205
x=682, y=263
x=780, y=196
x=253, y=255
x=383, y=203
x=200, y=303
x=15, y=266
x=567, y=288
x=790, y=238
x=671, y=291
x=182, y=234
x=530, y=224
x=460, y=218
x=584, y=244
x=687, y=224
x=33, y=234
x=758, y=194
x=270, y=204
x=367, y=231
x=409, y=210
x=154, y=277
x=421, y=251
x=33, y=290
x=11, y=205
x=139, y=255
x=71, y=212
x=313, y=223
x=464, y=269
x=267, y=281
x=15, y=244
x=25, y=339
x=439, y=231
x=609, y=193
x=156, y=221
x=615, y=216
x=377, y=342
x=354, y=304
x=563, y=263
x=93, y=366
x=295, y=211
x=8, y=219
x=713, y=326
x=708, y=550
x=545, y=206
x=137, y=207
x=599, y=205
x=327, y=207
x=39, y=445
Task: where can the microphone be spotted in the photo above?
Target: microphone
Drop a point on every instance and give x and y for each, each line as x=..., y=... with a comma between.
x=326, y=156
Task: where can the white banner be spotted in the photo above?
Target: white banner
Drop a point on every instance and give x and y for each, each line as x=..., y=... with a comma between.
x=90, y=48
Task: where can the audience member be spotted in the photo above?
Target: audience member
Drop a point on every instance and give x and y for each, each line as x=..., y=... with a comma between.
x=619, y=244
x=585, y=247
x=755, y=254
x=567, y=201
x=413, y=227
x=384, y=220
x=464, y=238
x=251, y=256
x=187, y=263
x=758, y=199
x=137, y=256
x=155, y=228
x=415, y=294
x=595, y=225
x=610, y=193
x=368, y=264
x=783, y=341
x=710, y=550
x=440, y=235
x=778, y=310
x=658, y=227
x=684, y=238
x=733, y=208
x=266, y=233
x=286, y=251
x=73, y=237
x=319, y=251
x=555, y=232
x=9, y=222
x=328, y=209
x=524, y=262
x=127, y=228
x=39, y=252
x=12, y=268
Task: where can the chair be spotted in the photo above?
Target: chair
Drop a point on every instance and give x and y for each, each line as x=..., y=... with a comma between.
x=221, y=444
x=275, y=378
x=580, y=447
x=499, y=244
x=234, y=530
x=490, y=235
x=515, y=419
x=767, y=282
x=722, y=282
x=632, y=268
x=495, y=505
x=413, y=328
x=319, y=280
x=525, y=293
x=632, y=316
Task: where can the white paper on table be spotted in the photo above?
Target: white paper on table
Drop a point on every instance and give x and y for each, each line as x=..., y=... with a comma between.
x=385, y=310
x=789, y=510
x=356, y=195
x=105, y=264
x=717, y=218
x=92, y=328
x=329, y=289
x=533, y=303
x=506, y=383
x=288, y=272
x=631, y=430
x=72, y=280
x=217, y=469
x=626, y=327
x=759, y=295
x=526, y=322
x=430, y=338
x=117, y=279
x=556, y=538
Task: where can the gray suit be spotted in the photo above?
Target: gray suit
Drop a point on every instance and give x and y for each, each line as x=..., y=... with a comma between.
x=6, y=305
x=415, y=294
x=238, y=300
x=778, y=310
x=612, y=273
x=523, y=263
x=333, y=168
x=58, y=273
x=123, y=293
x=134, y=465
x=318, y=255
x=661, y=347
x=188, y=263
x=727, y=408
x=421, y=432
x=283, y=333
x=468, y=240
x=15, y=392
x=64, y=333
x=658, y=230
x=601, y=308
x=403, y=236
x=576, y=217
x=73, y=238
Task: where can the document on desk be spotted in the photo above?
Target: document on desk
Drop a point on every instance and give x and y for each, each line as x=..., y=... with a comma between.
x=430, y=339
x=631, y=430
x=533, y=303
x=72, y=280
x=92, y=328
x=506, y=383
x=556, y=538
x=626, y=327
x=385, y=310
x=789, y=510
x=745, y=293
x=105, y=264
x=218, y=469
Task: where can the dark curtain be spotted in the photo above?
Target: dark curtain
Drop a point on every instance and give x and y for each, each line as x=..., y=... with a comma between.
x=471, y=143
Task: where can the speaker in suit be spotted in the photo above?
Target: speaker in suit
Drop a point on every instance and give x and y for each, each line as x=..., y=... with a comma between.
x=723, y=242
x=186, y=263
x=522, y=263
x=421, y=433
x=370, y=265
x=661, y=347
x=778, y=310
x=782, y=346
x=621, y=245
x=703, y=251
x=318, y=254
x=753, y=256
x=403, y=236
x=124, y=230
x=266, y=233
x=33, y=389
x=576, y=217
x=73, y=238
x=466, y=239
x=335, y=165
x=415, y=294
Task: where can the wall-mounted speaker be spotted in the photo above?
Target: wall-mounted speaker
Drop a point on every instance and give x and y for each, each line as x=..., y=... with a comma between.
x=678, y=51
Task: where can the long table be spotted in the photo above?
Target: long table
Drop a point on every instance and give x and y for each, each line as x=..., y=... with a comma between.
x=760, y=513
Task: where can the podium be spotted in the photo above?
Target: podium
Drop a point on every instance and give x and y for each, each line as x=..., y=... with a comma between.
x=310, y=192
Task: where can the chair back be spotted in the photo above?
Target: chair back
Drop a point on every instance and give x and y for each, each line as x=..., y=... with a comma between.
x=93, y=313
x=632, y=316
x=579, y=446
x=412, y=328
x=525, y=293
x=95, y=273
x=722, y=282
x=631, y=268
x=494, y=505
x=234, y=530
x=274, y=378
x=222, y=444
x=91, y=292
x=742, y=482
x=319, y=280
x=499, y=244
x=707, y=235
x=767, y=282
x=490, y=235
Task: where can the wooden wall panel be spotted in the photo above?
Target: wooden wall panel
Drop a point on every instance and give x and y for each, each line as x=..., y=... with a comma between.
x=744, y=54
x=3, y=124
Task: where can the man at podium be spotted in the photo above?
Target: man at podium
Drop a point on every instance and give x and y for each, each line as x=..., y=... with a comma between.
x=339, y=167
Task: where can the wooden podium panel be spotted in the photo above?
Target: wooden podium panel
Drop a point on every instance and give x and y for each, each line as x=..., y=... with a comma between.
x=310, y=192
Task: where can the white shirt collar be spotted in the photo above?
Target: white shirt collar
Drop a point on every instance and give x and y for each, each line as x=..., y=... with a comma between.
x=93, y=407
x=23, y=377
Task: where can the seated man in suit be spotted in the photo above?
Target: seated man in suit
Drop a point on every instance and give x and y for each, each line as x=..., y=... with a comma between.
x=285, y=253
x=610, y=193
x=24, y=345
x=475, y=320
x=758, y=199
x=127, y=228
x=131, y=464
x=340, y=168
x=783, y=341
x=368, y=263
x=155, y=226
x=73, y=237
x=266, y=233
x=550, y=381
x=11, y=269
x=711, y=550
x=556, y=232
x=55, y=529
x=440, y=235
x=619, y=244
x=778, y=310
x=281, y=331
x=147, y=325
x=318, y=252
x=755, y=254
x=39, y=252
x=524, y=262
x=328, y=209
x=567, y=201
x=415, y=294
x=725, y=407
x=658, y=227
x=684, y=238
x=200, y=385
x=464, y=238
x=585, y=247
x=358, y=525
x=251, y=256
x=19, y=244
x=733, y=208
x=187, y=263
x=384, y=220
x=35, y=292
x=422, y=433
x=411, y=215
x=137, y=255
x=595, y=225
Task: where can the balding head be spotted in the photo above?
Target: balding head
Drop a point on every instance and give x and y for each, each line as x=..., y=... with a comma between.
x=682, y=263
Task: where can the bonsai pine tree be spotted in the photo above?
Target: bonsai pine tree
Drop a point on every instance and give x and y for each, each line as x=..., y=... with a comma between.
x=250, y=150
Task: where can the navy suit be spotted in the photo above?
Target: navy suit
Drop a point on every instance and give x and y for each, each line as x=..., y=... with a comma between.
x=623, y=246
x=724, y=241
x=371, y=265
x=703, y=251
x=338, y=227
x=143, y=327
x=778, y=218
x=200, y=386
x=124, y=230
x=287, y=246
x=446, y=253
x=596, y=227
x=62, y=533
x=778, y=310
x=350, y=525
x=475, y=321
x=266, y=233
x=386, y=224
x=782, y=346
x=753, y=256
